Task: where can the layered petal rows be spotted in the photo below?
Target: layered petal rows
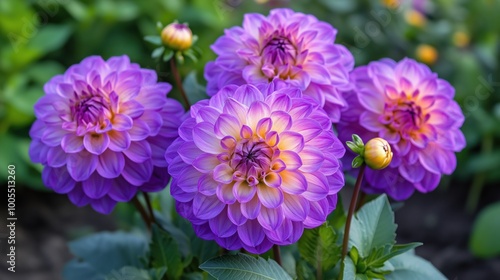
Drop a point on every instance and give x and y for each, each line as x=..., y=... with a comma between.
x=409, y=106
x=101, y=132
x=250, y=170
x=285, y=49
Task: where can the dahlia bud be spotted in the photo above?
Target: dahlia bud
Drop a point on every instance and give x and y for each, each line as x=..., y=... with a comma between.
x=427, y=54
x=377, y=154
x=177, y=36
x=461, y=39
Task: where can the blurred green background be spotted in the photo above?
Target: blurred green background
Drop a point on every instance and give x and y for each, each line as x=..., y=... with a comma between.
x=458, y=39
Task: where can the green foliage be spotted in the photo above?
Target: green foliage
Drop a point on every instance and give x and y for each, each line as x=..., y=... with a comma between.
x=318, y=247
x=99, y=254
x=373, y=226
x=372, y=239
x=408, y=266
x=484, y=241
x=134, y=273
x=164, y=253
x=242, y=266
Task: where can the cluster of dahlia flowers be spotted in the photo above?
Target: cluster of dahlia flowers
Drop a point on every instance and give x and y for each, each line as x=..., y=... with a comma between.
x=259, y=161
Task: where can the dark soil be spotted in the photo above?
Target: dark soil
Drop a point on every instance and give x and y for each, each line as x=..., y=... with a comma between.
x=46, y=221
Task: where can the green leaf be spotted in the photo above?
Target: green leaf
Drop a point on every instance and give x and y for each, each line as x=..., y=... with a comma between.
x=408, y=266
x=357, y=161
x=304, y=271
x=168, y=55
x=99, y=254
x=129, y=272
x=50, y=38
x=157, y=52
x=242, y=266
x=373, y=226
x=195, y=92
x=349, y=269
x=338, y=217
x=484, y=241
x=164, y=252
x=318, y=247
x=357, y=140
x=153, y=39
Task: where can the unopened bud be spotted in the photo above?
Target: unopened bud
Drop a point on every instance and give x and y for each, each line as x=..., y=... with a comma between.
x=461, y=39
x=377, y=154
x=415, y=18
x=177, y=36
x=427, y=54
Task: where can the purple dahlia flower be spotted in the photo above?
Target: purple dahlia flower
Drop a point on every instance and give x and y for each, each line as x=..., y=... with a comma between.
x=285, y=49
x=102, y=130
x=409, y=106
x=251, y=170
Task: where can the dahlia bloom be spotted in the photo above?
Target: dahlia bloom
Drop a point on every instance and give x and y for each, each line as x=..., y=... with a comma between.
x=250, y=170
x=102, y=130
x=410, y=107
x=285, y=49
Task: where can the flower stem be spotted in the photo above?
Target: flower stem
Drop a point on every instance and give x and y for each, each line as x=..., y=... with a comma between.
x=277, y=254
x=177, y=78
x=141, y=210
x=150, y=208
x=352, y=206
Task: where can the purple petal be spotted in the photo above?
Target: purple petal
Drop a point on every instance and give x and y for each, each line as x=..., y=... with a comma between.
x=247, y=94
x=81, y=165
x=243, y=192
x=412, y=172
x=96, y=143
x=138, y=151
x=225, y=193
x=251, y=233
x=137, y=173
x=251, y=209
x=58, y=179
x=291, y=159
x=121, y=190
x=110, y=164
x=119, y=140
x=220, y=226
x=227, y=125
x=206, y=163
x=312, y=159
x=122, y=122
x=295, y=207
x=293, y=182
x=188, y=151
x=235, y=215
x=318, y=210
x=291, y=141
x=223, y=173
x=72, y=143
x=96, y=186
x=53, y=136
x=270, y=218
x=207, y=185
x=270, y=197
x=204, y=138
x=317, y=186
x=77, y=196
x=428, y=183
x=56, y=157
x=207, y=207
x=103, y=205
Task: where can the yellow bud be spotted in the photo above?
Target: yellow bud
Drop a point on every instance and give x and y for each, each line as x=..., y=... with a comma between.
x=177, y=36
x=461, y=39
x=415, y=18
x=427, y=54
x=392, y=4
x=378, y=154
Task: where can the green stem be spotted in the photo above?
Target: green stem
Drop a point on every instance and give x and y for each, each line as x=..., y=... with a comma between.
x=277, y=254
x=178, y=81
x=352, y=207
x=479, y=178
x=141, y=210
x=150, y=208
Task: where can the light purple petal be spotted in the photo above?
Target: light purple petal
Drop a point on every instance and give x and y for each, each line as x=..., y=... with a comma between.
x=207, y=207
